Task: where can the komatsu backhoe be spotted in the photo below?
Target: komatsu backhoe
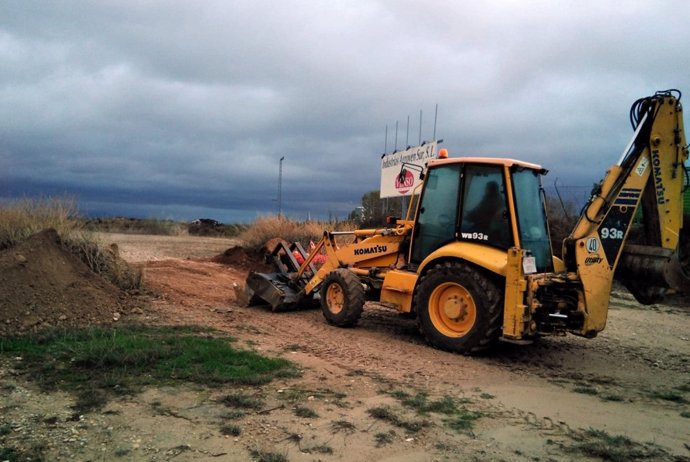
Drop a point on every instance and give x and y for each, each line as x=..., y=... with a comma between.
x=473, y=259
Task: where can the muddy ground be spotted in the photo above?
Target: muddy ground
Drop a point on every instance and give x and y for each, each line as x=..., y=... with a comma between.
x=551, y=400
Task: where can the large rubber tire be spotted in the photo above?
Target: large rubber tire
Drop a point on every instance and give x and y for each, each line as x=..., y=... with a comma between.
x=459, y=308
x=342, y=298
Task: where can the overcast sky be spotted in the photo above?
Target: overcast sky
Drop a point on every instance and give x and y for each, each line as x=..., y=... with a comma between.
x=182, y=109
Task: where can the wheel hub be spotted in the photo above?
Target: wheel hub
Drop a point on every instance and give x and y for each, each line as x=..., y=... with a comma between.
x=335, y=298
x=452, y=309
x=455, y=308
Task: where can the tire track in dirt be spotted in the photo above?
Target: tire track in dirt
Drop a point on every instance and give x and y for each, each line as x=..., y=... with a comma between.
x=535, y=380
x=381, y=343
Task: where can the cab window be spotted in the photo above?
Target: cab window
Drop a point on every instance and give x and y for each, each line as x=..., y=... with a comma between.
x=485, y=217
x=534, y=233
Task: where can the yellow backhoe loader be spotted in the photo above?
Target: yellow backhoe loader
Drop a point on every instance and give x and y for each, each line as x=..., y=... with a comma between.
x=473, y=260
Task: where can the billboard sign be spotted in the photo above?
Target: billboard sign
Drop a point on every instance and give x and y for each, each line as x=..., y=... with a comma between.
x=400, y=170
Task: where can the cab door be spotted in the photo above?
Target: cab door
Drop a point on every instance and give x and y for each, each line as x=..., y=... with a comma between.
x=437, y=217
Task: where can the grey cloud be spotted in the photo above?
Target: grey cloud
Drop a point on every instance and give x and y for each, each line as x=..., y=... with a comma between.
x=181, y=106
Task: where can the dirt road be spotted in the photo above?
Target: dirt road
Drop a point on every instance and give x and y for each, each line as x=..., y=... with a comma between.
x=562, y=398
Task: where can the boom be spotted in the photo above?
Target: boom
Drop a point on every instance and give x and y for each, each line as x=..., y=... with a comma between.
x=649, y=173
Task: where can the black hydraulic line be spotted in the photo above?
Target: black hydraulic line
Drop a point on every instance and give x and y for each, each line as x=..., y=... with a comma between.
x=637, y=110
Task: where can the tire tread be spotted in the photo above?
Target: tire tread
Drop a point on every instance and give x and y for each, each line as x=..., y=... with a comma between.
x=492, y=304
x=354, y=298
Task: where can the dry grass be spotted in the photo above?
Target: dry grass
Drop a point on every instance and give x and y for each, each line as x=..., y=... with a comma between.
x=268, y=227
x=103, y=261
x=24, y=218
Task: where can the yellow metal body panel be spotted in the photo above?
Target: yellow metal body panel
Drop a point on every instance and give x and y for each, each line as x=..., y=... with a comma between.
x=486, y=257
x=485, y=160
x=511, y=204
x=669, y=135
x=593, y=266
x=380, y=251
x=376, y=249
x=515, y=313
x=398, y=289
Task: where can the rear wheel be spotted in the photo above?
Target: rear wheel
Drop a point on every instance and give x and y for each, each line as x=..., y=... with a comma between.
x=342, y=298
x=458, y=308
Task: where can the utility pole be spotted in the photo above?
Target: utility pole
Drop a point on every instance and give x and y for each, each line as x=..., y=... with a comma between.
x=280, y=187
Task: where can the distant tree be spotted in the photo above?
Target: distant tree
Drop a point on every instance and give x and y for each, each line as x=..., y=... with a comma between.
x=357, y=215
x=562, y=218
x=374, y=210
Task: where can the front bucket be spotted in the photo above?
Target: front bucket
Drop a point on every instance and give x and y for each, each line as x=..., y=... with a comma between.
x=274, y=289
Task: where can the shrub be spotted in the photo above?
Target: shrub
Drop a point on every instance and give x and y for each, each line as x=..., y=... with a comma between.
x=126, y=225
x=268, y=227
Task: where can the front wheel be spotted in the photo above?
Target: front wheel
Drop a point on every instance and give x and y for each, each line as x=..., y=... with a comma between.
x=342, y=298
x=458, y=308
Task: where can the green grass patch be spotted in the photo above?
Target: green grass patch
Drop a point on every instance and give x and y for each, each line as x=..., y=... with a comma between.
x=612, y=397
x=122, y=452
x=383, y=413
x=230, y=430
x=5, y=429
x=342, y=426
x=422, y=405
x=399, y=394
x=242, y=401
x=303, y=411
x=387, y=414
x=232, y=415
x=35, y=453
x=318, y=449
x=9, y=454
x=293, y=395
x=384, y=438
x=443, y=446
x=685, y=414
x=8, y=387
x=615, y=448
x=685, y=387
x=459, y=417
x=96, y=363
x=586, y=390
x=668, y=395
x=463, y=420
x=268, y=456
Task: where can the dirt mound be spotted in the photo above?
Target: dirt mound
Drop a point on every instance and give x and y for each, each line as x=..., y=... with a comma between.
x=43, y=285
x=244, y=259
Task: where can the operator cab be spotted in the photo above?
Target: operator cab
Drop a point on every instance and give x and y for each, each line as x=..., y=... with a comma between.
x=469, y=200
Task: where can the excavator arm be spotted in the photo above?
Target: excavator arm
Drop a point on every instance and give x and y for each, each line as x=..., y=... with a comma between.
x=646, y=182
